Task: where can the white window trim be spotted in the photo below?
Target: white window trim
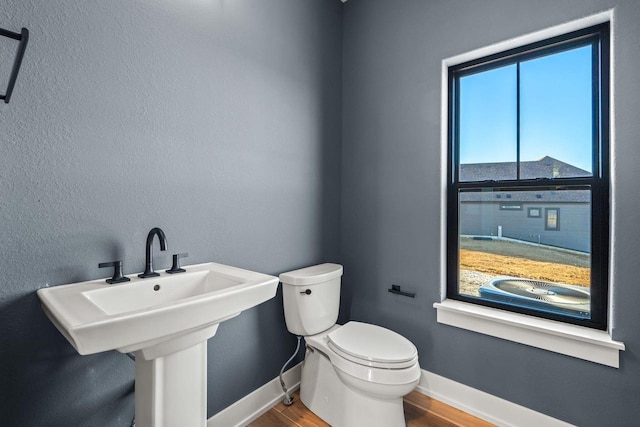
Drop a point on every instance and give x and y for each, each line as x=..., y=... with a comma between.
x=577, y=341
x=564, y=338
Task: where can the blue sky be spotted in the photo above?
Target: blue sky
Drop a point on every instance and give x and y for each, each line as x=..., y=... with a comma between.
x=555, y=111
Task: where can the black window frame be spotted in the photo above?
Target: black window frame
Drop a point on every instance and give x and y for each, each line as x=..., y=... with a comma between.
x=598, y=183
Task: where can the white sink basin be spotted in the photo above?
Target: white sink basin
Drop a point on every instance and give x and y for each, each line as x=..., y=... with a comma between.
x=95, y=316
x=166, y=321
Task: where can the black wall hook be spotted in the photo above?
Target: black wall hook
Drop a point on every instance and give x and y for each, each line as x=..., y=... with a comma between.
x=23, y=38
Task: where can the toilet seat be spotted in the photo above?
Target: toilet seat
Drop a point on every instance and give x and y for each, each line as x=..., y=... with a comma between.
x=369, y=374
x=372, y=346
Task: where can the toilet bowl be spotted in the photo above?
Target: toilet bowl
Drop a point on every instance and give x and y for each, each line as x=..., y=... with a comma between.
x=353, y=375
x=347, y=388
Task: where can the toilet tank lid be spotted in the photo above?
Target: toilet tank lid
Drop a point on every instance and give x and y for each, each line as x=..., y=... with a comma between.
x=311, y=275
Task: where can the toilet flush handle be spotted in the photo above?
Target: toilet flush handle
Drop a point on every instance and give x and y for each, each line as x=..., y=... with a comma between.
x=307, y=292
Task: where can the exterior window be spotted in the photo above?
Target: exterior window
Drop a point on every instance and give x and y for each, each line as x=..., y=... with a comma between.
x=511, y=207
x=553, y=219
x=528, y=138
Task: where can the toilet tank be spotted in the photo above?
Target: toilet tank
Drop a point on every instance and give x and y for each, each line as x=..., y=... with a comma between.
x=311, y=298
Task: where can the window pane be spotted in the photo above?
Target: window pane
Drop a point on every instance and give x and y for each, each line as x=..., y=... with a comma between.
x=487, y=125
x=508, y=255
x=553, y=220
x=556, y=115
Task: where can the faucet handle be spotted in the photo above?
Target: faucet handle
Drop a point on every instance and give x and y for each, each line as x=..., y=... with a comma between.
x=117, y=272
x=175, y=268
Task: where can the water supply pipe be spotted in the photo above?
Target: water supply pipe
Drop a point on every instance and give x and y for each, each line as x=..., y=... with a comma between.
x=288, y=400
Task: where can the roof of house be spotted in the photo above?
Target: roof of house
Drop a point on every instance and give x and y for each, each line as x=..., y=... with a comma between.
x=546, y=167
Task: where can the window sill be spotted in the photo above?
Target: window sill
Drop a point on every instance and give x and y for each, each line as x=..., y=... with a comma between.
x=577, y=341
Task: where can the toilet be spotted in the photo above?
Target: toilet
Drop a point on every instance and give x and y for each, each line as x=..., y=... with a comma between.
x=353, y=375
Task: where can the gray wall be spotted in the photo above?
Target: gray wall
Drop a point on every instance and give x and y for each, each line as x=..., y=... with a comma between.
x=391, y=196
x=219, y=121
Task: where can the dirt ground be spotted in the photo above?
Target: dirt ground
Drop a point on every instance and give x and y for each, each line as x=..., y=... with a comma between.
x=528, y=251
x=470, y=282
x=490, y=258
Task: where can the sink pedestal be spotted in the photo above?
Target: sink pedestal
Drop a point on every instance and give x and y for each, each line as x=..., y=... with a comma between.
x=171, y=389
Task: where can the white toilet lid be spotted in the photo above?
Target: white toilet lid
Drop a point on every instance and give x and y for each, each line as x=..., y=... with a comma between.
x=373, y=345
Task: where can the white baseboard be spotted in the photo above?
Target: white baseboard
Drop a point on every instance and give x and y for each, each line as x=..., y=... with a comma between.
x=468, y=399
x=483, y=405
x=256, y=403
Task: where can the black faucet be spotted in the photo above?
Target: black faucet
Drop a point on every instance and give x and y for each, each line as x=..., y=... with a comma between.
x=148, y=271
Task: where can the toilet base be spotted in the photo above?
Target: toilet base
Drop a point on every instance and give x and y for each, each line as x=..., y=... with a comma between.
x=322, y=391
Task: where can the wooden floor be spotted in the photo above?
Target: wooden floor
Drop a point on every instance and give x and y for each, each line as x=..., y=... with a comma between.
x=419, y=410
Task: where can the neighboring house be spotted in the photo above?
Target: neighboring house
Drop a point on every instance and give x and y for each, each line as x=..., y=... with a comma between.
x=550, y=217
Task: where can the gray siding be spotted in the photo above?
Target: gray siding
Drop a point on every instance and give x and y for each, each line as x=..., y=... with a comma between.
x=573, y=231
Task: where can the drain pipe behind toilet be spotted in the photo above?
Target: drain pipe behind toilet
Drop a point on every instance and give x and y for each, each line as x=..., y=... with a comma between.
x=288, y=400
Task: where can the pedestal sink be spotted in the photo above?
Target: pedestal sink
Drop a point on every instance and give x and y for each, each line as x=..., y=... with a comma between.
x=166, y=321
